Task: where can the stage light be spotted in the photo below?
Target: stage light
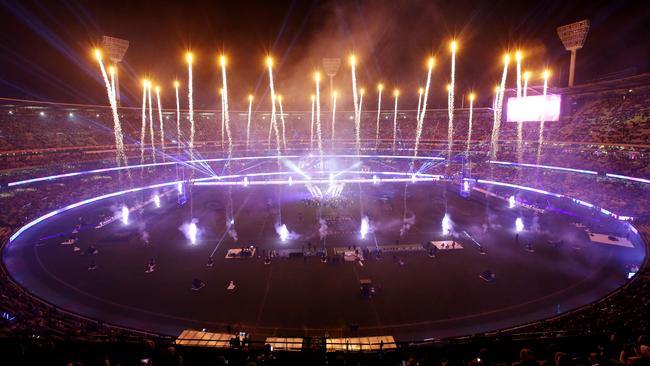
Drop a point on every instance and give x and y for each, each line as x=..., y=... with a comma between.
x=125, y=215
x=98, y=54
x=519, y=224
x=176, y=84
x=222, y=60
x=431, y=62
x=353, y=60
x=512, y=202
x=189, y=57
x=453, y=46
x=317, y=76
x=250, y=97
x=156, y=200
x=380, y=87
x=472, y=96
x=365, y=227
x=269, y=61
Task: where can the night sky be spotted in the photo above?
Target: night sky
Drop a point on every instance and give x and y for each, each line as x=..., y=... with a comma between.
x=46, y=46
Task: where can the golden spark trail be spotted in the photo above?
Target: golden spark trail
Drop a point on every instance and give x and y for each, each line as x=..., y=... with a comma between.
x=333, y=116
x=162, y=126
x=526, y=77
x=319, y=128
x=153, y=146
x=380, y=87
x=311, y=125
x=284, y=135
x=274, y=124
x=420, y=91
x=520, y=125
x=190, y=98
x=143, y=130
x=361, y=93
x=498, y=109
x=355, y=98
x=226, y=111
x=469, y=128
x=545, y=75
x=248, y=121
x=420, y=118
x=117, y=126
x=450, y=101
x=396, y=94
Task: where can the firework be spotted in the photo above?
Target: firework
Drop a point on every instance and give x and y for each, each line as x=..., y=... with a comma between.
x=545, y=75
x=284, y=135
x=311, y=124
x=450, y=100
x=334, y=94
x=525, y=90
x=226, y=112
x=380, y=87
x=117, y=126
x=190, y=98
x=319, y=131
x=420, y=91
x=248, y=120
x=178, y=117
x=520, y=125
x=355, y=97
x=396, y=95
x=471, y=112
x=274, y=124
x=498, y=109
x=162, y=127
x=420, y=118
x=358, y=144
x=143, y=130
x=153, y=147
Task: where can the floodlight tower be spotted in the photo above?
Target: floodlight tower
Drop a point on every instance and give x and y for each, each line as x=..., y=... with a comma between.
x=573, y=37
x=331, y=67
x=115, y=48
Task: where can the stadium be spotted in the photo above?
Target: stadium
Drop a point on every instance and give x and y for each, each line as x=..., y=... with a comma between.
x=174, y=214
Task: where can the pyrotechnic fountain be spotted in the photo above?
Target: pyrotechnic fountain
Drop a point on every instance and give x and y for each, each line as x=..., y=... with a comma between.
x=526, y=77
x=153, y=145
x=156, y=201
x=274, y=124
x=450, y=101
x=396, y=95
x=319, y=131
x=225, y=111
x=311, y=123
x=520, y=125
x=380, y=87
x=143, y=130
x=117, y=126
x=248, y=119
x=190, y=98
x=284, y=134
x=512, y=202
x=420, y=91
x=355, y=99
x=334, y=94
x=420, y=118
x=471, y=112
x=162, y=126
x=497, y=110
x=545, y=75
x=361, y=93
